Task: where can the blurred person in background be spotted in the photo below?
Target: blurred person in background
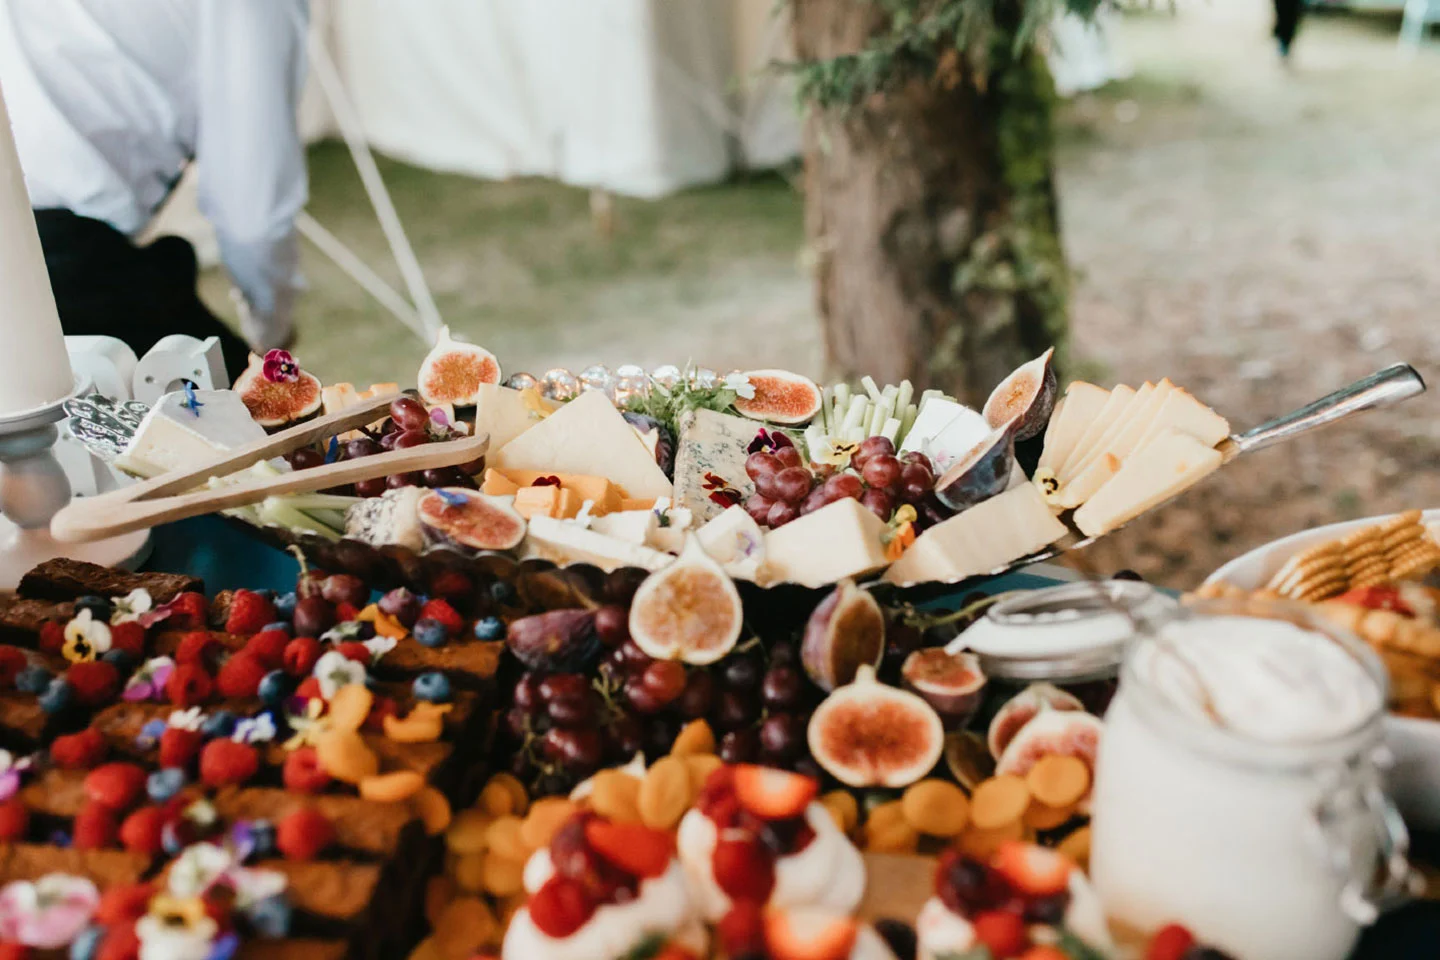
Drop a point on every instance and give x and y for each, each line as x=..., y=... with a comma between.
x=1287, y=24
x=110, y=100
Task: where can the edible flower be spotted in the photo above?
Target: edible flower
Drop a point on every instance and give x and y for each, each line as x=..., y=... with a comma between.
x=10, y=771
x=132, y=606
x=191, y=719
x=551, y=481
x=901, y=533
x=833, y=451
x=280, y=367
x=308, y=724
x=378, y=646
x=191, y=402
x=85, y=638
x=150, y=734
x=535, y=403
x=148, y=682
x=48, y=913
x=256, y=729
x=335, y=670
x=176, y=928
x=720, y=491
x=740, y=385
x=451, y=498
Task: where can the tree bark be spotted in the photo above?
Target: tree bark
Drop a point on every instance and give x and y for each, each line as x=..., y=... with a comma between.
x=931, y=215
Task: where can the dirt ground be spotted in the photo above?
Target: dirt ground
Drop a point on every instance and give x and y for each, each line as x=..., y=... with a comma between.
x=1260, y=234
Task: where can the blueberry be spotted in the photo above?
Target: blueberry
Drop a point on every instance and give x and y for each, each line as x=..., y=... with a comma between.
x=56, y=696
x=430, y=632
x=285, y=605
x=432, y=686
x=274, y=687
x=221, y=723
x=99, y=607
x=32, y=680
x=270, y=917
x=164, y=784
x=898, y=935
x=489, y=628
x=262, y=833
x=503, y=593
x=281, y=625
x=86, y=943
x=122, y=659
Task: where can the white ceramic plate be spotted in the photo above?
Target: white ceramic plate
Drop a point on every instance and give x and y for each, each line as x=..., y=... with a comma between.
x=1415, y=780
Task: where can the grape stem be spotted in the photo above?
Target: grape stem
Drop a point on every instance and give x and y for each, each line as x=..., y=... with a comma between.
x=924, y=621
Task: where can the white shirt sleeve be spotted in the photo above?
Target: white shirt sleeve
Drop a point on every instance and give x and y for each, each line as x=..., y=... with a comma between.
x=251, y=160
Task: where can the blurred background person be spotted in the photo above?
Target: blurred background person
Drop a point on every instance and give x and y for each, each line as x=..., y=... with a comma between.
x=110, y=100
x=1287, y=24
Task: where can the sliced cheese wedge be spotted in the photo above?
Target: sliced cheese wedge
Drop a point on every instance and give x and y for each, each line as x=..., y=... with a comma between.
x=1118, y=444
x=588, y=436
x=1137, y=427
x=841, y=539
x=1159, y=470
x=1183, y=412
x=503, y=413
x=1101, y=444
x=736, y=541
x=1073, y=416
x=565, y=541
x=981, y=540
x=1091, y=479
x=1118, y=400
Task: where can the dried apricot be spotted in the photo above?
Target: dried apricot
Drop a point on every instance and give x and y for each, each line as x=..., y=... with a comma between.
x=503, y=876
x=433, y=809
x=470, y=873
x=1077, y=847
x=998, y=802
x=466, y=833
x=344, y=755
x=843, y=809
x=349, y=707
x=423, y=724
x=544, y=818
x=1058, y=781
x=980, y=843
x=665, y=793
x=695, y=737
x=936, y=807
x=391, y=787
x=503, y=838
x=439, y=891
x=519, y=799
x=1041, y=816
x=616, y=795
x=427, y=949
x=496, y=800
x=701, y=765
x=887, y=831
x=464, y=927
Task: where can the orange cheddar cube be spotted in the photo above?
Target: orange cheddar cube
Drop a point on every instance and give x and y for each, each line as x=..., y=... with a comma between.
x=496, y=484
x=547, y=501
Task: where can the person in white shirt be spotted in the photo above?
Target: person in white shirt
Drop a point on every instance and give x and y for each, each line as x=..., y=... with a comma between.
x=110, y=100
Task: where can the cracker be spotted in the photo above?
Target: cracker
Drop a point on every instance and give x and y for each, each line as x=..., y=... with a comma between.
x=1322, y=587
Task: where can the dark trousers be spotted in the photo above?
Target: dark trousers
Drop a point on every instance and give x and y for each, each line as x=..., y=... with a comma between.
x=1287, y=22
x=106, y=285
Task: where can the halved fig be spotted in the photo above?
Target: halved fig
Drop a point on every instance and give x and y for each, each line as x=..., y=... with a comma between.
x=1021, y=708
x=952, y=683
x=276, y=391
x=453, y=371
x=466, y=518
x=867, y=734
x=780, y=397
x=845, y=632
x=657, y=438
x=558, y=641
x=1066, y=733
x=1027, y=395
x=689, y=611
x=982, y=473
x=968, y=758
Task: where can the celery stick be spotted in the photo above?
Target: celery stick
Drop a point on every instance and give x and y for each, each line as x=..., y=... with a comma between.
x=827, y=397
x=908, y=421
x=855, y=416
x=868, y=382
x=814, y=437
x=891, y=430
x=842, y=405
x=882, y=412
x=904, y=395
x=855, y=434
x=890, y=391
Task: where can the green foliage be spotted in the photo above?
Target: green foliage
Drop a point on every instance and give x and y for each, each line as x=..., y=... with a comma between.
x=669, y=405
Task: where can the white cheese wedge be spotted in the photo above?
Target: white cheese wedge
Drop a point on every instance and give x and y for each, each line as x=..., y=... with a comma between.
x=672, y=525
x=736, y=542
x=632, y=526
x=587, y=435
x=502, y=413
x=711, y=446
x=981, y=540
x=945, y=431
x=172, y=436
x=1115, y=404
x=1098, y=445
x=1184, y=413
x=1162, y=468
x=841, y=539
x=565, y=541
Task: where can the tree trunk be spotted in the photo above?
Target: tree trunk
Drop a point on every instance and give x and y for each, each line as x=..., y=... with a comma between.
x=931, y=215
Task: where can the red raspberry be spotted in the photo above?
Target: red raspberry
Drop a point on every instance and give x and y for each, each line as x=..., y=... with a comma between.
x=128, y=636
x=15, y=951
x=94, y=682
x=301, y=655
x=52, y=636
x=189, y=685
x=127, y=902
x=560, y=907
x=346, y=611
x=741, y=932
x=197, y=647
x=218, y=909
x=14, y=821
x=441, y=610
x=1171, y=942
x=354, y=650
x=140, y=832
x=302, y=772
x=188, y=611
x=1002, y=931
x=78, y=751
x=268, y=646
x=744, y=869
x=224, y=762
x=120, y=943
x=302, y=834
x=249, y=613
x=179, y=746
x=12, y=661
x=115, y=785
x=240, y=676
x=95, y=827
x=309, y=689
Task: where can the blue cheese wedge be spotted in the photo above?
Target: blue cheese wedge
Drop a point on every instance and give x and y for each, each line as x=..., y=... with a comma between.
x=736, y=542
x=713, y=448
x=566, y=541
x=981, y=540
x=393, y=518
x=180, y=433
x=841, y=539
x=1167, y=465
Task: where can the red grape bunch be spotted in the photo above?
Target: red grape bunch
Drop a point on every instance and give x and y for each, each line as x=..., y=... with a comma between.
x=877, y=477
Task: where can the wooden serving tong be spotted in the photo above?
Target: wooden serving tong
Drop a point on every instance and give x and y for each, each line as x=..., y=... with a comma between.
x=172, y=496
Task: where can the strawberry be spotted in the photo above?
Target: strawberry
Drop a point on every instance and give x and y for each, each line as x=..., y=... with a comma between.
x=742, y=866
x=78, y=751
x=1171, y=942
x=249, y=613
x=346, y=611
x=309, y=689
x=1044, y=951
x=179, y=746
x=127, y=902
x=188, y=611
x=1032, y=870
x=120, y=943
x=441, y=610
x=52, y=636
x=268, y=646
x=239, y=677
x=223, y=762
x=197, y=647
x=354, y=650
x=772, y=794
x=809, y=933
x=115, y=785
x=302, y=834
x=95, y=827
x=1001, y=931
x=1377, y=598
x=14, y=821
x=189, y=685
x=140, y=832
x=741, y=932
x=12, y=661
x=631, y=847
x=14, y=951
x=673, y=951
x=301, y=655
x=302, y=772
x=94, y=682
x=560, y=907
x=128, y=636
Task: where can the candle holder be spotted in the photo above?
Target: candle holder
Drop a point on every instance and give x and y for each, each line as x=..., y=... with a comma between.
x=33, y=488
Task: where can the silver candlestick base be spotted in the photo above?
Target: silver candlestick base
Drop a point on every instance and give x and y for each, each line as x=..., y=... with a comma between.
x=33, y=488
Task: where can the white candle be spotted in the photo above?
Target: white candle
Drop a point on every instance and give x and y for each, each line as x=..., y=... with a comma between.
x=34, y=367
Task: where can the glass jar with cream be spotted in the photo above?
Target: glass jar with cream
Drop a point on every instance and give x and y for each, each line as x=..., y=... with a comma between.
x=1237, y=790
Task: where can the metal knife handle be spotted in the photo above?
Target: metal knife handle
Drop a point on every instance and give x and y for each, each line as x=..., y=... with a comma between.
x=1381, y=389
